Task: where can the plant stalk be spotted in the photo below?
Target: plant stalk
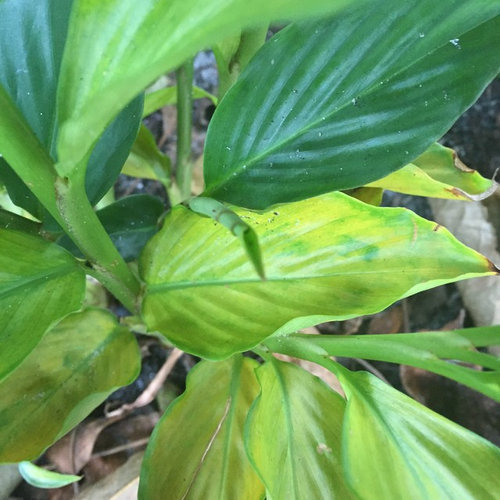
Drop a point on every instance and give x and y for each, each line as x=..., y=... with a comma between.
x=82, y=225
x=184, y=165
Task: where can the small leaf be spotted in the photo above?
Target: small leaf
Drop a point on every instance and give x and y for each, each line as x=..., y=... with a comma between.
x=42, y=478
x=327, y=258
x=196, y=450
x=130, y=223
x=39, y=284
x=168, y=96
x=365, y=92
x=396, y=448
x=145, y=160
x=225, y=216
x=78, y=363
x=438, y=173
x=293, y=434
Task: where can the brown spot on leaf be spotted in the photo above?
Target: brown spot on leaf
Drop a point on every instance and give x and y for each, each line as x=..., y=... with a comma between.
x=461, y=165
x=457, y=192
x=437, y=227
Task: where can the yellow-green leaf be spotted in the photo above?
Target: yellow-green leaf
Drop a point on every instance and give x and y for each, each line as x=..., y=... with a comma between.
x=396, y=448
x=78, y=363
x=145, y=160
x=196, y=450
x=293, y=435
x=438, y=173
x=39, y=284
x=330, y=257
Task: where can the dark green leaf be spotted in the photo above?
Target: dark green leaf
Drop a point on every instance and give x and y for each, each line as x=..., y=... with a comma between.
x=327, y=258
x=73, y=369
x=293, y=435
x=396, y=448
x=339, y=103
x=32, y=40
x=130, y=222
x=196, y=450
x=39, y=284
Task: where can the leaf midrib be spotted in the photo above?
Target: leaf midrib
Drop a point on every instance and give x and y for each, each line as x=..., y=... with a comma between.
x=179, y=285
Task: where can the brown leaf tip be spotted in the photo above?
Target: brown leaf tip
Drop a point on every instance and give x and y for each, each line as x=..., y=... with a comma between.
x=492, y=267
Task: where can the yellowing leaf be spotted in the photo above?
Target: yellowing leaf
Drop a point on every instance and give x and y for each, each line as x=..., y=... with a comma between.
x=438, y=173
x=326, y=258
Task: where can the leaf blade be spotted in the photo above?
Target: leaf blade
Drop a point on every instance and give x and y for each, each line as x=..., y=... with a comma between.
x=348, y=109
x=326, y=258
x=434, y=457
x=78, y=363
x=296, y=422
x=39, y=284
x=209, y=461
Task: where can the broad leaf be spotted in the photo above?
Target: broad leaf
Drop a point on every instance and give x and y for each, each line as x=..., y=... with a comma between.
x=117, y=48
x=39, y=284
x=196, y=450
x=43, y=478
x=32, y=39
x=396, y=448
x=75, y=367
x=293, y=434
x=130, y=222
x=339, y=103
x=326, y=258
x=438, y=173
x=427, y=350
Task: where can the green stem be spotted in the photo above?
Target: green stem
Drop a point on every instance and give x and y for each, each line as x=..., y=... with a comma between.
x=184, y=172
x=81, y=223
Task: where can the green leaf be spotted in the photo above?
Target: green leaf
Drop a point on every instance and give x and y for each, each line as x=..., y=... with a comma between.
x=427, y=350
x=438, y=173
x=73, y=369
x=145, y=160
x=39, y=284
x=130, y=222
x=245, y=233
x=32, y=39
x=42, y=478
x=396, y=448
x=196, y=450
x=364, y=93
x=117, y=48
x=20, y=146
x=167, y=96
x=326, y=258
x=293, y=434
